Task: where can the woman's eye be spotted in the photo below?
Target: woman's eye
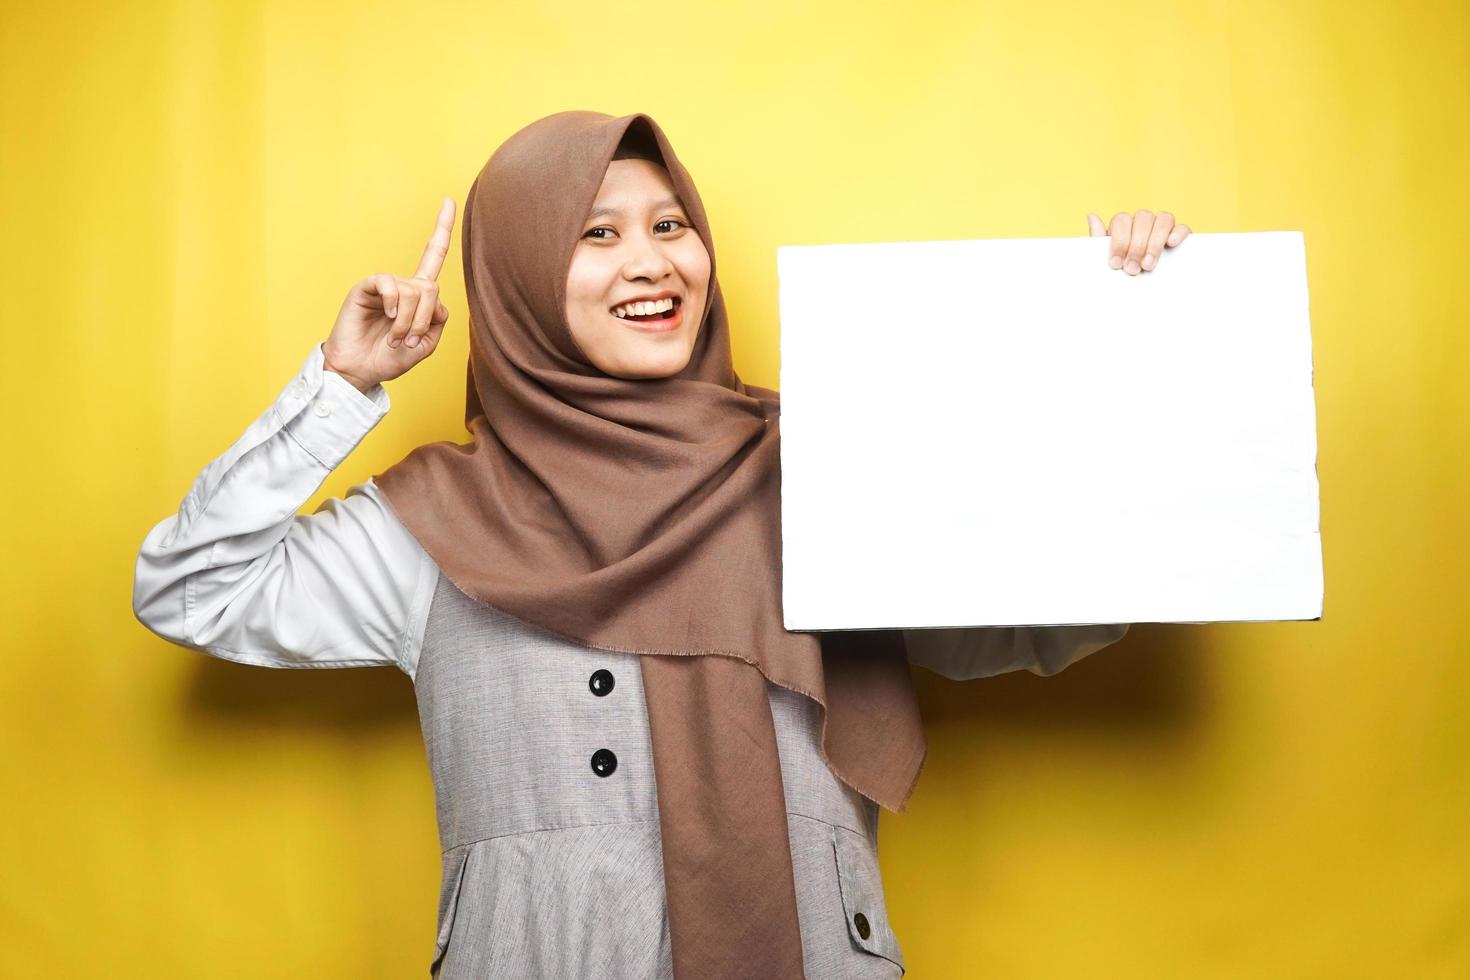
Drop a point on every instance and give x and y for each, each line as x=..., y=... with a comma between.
x=593, y=233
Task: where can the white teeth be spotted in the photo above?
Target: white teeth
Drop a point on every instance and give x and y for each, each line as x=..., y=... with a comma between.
x=644, y=309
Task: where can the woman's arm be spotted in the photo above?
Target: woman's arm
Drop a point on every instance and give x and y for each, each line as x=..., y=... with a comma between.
x=237, y=573
x=968, y=653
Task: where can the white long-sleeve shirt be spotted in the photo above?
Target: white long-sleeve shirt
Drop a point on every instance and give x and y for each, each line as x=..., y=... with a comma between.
x=239, y=574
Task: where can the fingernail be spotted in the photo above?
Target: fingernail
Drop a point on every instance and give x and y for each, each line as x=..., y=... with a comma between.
x=413, y=341
x=1148, y=261
x=1131, y=268
x=394, y=342
x=392, y=313
x=1116, y=262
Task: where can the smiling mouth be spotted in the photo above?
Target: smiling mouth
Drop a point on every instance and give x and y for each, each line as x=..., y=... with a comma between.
x=666, y=323
x=668, y=314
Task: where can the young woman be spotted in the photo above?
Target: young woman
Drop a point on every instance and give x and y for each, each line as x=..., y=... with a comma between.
x=638, y=772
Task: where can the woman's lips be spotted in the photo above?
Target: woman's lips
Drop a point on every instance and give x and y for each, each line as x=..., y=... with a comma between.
x=659, y=325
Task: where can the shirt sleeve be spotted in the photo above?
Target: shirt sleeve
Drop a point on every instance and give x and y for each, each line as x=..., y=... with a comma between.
x=967, y=653
x=237, y=573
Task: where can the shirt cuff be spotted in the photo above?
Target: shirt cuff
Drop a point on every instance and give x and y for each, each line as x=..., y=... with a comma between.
x=325, y=414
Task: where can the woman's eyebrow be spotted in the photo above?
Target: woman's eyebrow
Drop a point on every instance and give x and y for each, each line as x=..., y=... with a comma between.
x=668, y=202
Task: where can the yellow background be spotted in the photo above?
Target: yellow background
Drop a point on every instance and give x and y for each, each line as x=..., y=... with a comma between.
x=190, y=189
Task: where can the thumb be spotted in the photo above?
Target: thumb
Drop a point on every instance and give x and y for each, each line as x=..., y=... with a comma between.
x=1095, y=226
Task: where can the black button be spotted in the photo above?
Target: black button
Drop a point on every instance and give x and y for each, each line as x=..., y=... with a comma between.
x=604, y=762
x=861, y=921
x=601, y=682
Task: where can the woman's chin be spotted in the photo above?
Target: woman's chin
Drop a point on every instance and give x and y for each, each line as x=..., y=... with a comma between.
x=661, y=361
x=652, y=372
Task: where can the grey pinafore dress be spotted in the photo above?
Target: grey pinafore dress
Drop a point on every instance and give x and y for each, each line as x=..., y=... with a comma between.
x=548, y=820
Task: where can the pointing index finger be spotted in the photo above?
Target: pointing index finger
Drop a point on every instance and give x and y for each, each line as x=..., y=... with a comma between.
x=438, y=246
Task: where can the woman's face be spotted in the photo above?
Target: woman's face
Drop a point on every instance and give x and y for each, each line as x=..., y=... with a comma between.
x=637, y=244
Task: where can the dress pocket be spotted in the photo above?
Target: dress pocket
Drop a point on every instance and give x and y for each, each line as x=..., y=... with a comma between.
x=456, y=859
x=862, y=896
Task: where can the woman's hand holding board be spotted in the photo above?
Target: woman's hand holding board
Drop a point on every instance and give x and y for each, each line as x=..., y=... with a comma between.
x=389, y=323
x=1138, y=239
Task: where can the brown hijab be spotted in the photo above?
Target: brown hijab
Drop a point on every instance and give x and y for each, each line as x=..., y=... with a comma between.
x=643, y=516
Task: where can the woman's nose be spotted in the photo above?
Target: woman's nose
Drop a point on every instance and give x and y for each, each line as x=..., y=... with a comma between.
x=646, y=260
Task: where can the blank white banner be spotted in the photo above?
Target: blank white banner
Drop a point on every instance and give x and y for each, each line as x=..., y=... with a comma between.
x=1009, y=432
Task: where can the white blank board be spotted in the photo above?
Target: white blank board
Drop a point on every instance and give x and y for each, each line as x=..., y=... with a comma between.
x=1009, y=432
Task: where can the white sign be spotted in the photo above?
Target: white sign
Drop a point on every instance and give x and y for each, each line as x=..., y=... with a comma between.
x=1007, y=433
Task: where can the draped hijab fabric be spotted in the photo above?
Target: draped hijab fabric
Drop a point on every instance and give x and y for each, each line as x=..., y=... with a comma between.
x=643, y=516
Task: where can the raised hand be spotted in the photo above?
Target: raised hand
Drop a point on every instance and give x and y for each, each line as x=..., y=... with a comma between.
x=1138, y=239
x=389, y=323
